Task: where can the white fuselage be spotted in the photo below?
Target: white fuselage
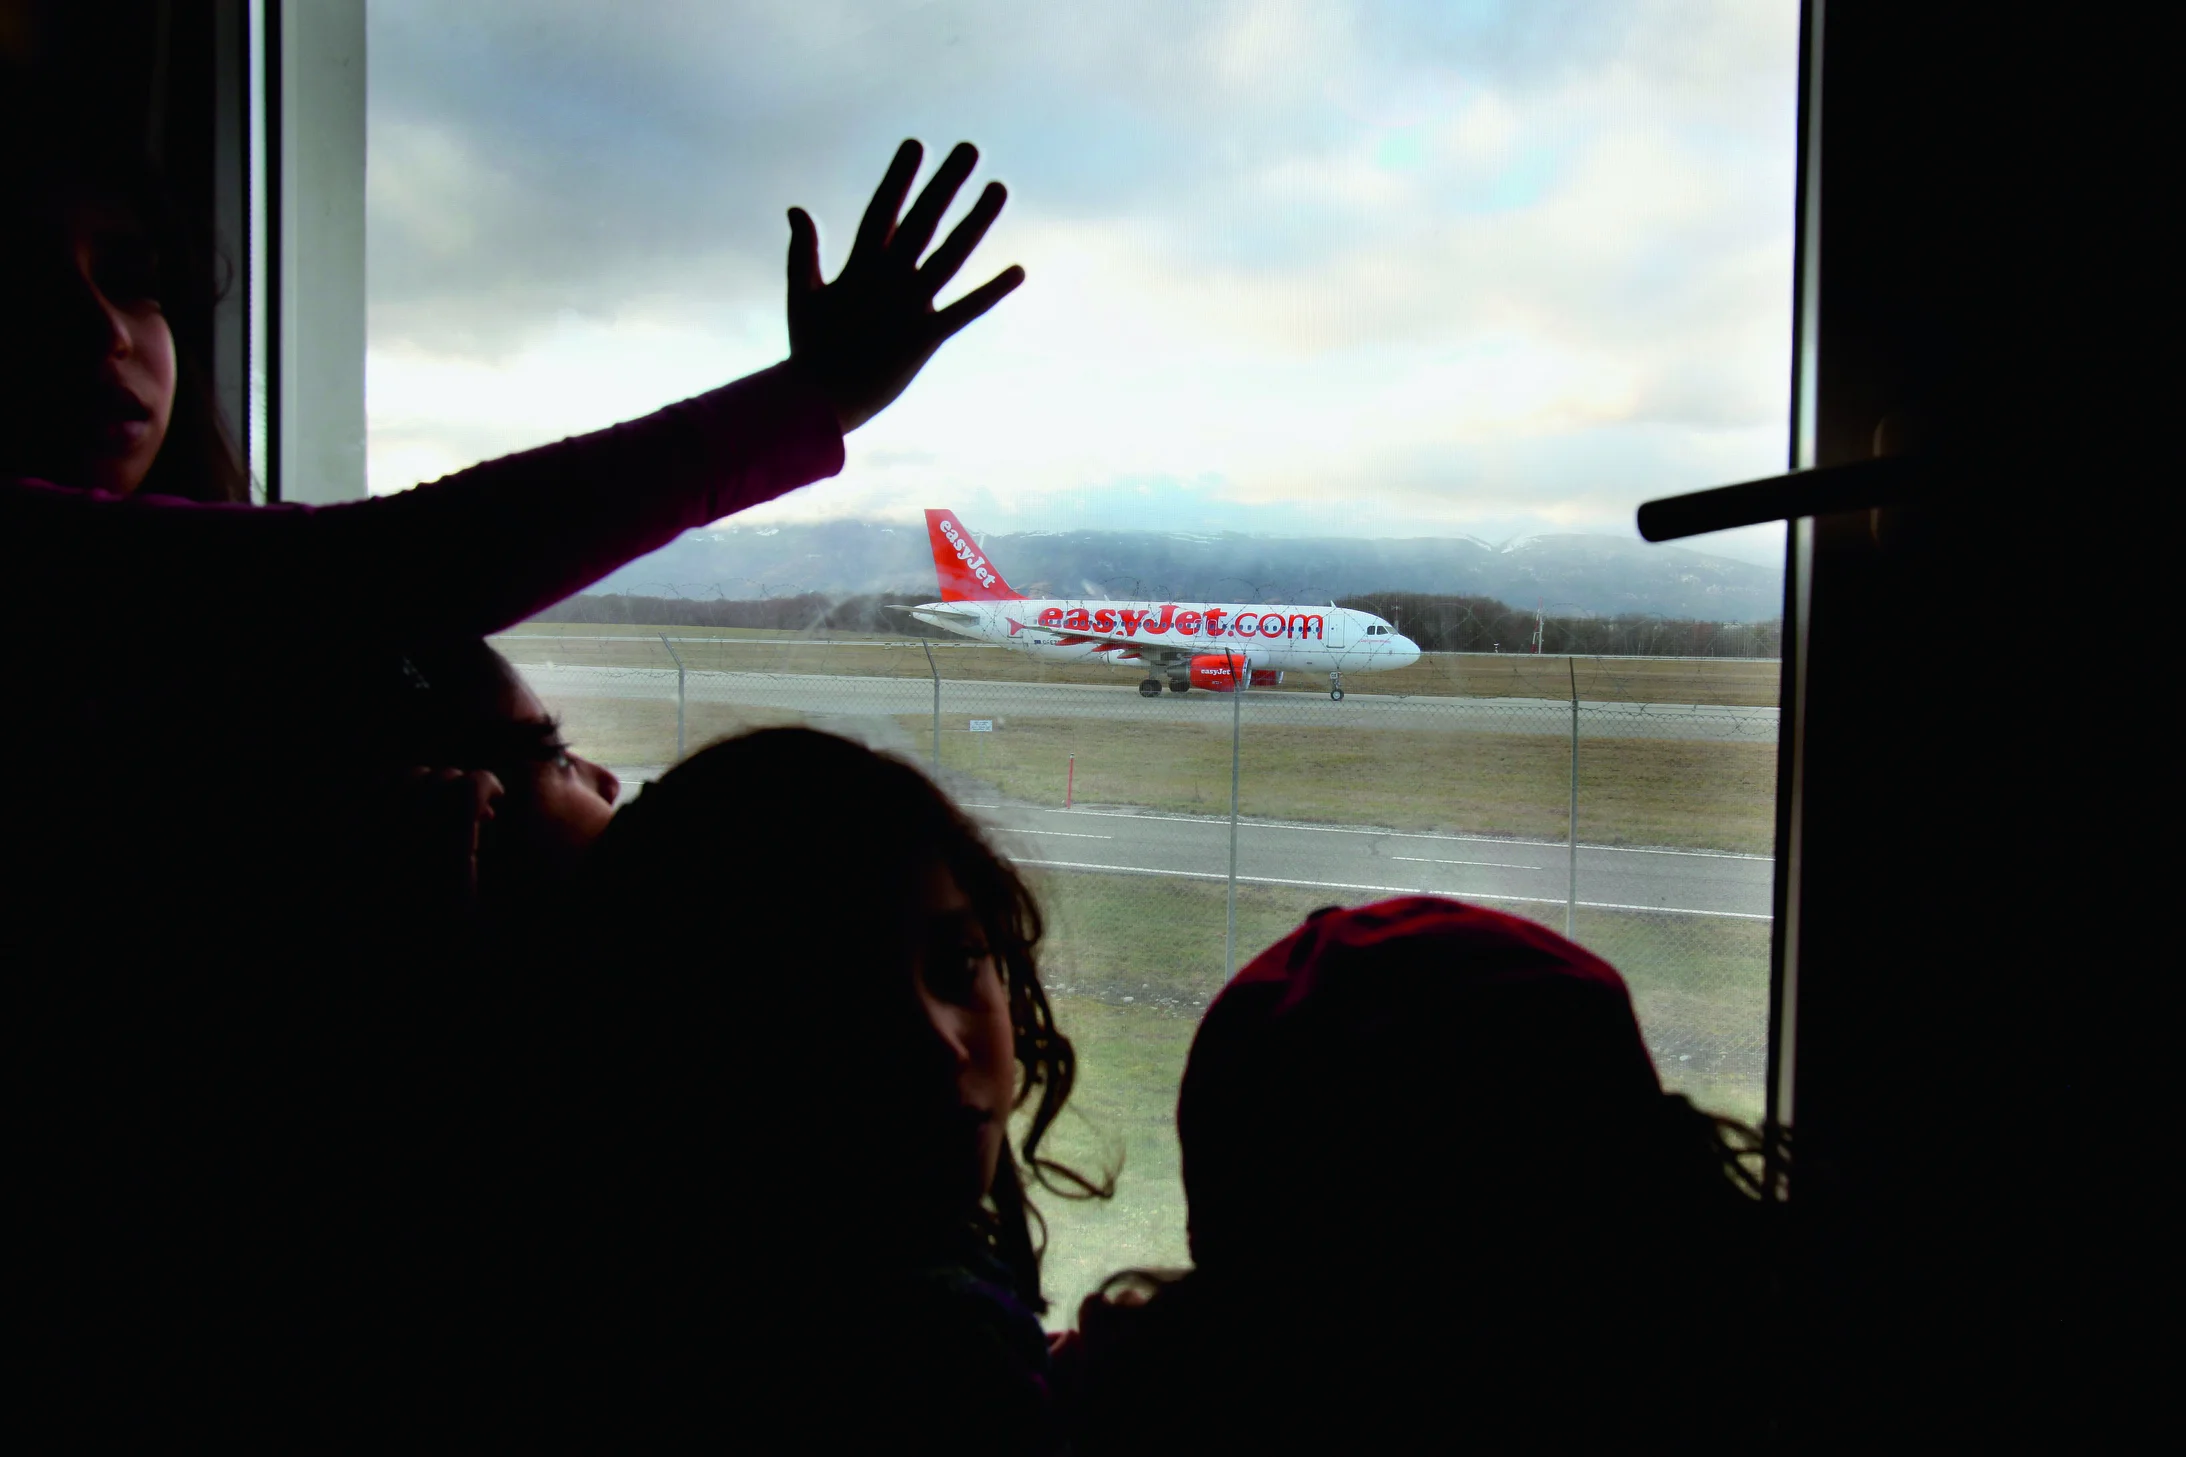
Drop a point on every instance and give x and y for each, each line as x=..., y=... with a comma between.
x=1168, y=635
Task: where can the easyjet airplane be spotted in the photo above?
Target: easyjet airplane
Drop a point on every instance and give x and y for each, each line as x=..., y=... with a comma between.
x=1203, y=644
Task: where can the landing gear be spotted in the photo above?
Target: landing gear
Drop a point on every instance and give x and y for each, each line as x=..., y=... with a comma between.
x=1151, y=688
x=1180, y=685
x=1335, y=687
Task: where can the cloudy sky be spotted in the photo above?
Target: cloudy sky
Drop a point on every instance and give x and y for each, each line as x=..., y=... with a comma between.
x=1396, y=269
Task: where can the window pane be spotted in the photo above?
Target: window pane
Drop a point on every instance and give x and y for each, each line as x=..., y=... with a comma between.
x=1353, y=334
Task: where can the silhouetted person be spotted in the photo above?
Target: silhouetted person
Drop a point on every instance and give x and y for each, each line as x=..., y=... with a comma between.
x=202, y=973
x=264, y=1176
x=1438, y=1201
x=136, y=600
x=465, y=763
x=775, y=1188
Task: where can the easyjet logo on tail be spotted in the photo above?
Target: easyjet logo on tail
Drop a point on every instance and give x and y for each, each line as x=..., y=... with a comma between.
x=1213, y=622
x=964, y=571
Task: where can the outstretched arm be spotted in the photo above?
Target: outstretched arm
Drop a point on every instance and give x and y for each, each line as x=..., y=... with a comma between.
x=855, y=345
x=491, y=545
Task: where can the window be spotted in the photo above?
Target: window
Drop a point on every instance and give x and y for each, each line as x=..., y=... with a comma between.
x=1351, y=339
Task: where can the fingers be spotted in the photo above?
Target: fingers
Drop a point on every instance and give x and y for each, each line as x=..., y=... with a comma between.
x=804, y=252
x=879, y=222
x=964, y=237
x=977, y=302
x=917, y=229
x=486, y=786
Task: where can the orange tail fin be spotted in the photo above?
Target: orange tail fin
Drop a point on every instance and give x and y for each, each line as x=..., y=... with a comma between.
x=966, y=574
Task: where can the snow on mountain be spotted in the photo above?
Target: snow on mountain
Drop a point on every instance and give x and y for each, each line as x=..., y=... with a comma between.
x=1560, y=573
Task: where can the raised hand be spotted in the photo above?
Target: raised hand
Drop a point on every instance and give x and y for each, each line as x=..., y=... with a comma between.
x=436, y=817
x=866, y=335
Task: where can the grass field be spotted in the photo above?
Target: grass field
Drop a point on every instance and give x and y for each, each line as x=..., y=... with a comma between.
x=642, y=733
x=1733, y=681
x=1685, y=793
x=1129, y=996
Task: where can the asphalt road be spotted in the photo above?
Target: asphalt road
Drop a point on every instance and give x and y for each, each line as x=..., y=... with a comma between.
x=844, y=696
x=1350, y=861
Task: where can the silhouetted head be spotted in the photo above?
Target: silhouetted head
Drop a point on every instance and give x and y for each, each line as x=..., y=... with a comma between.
x=95, y=390
x=1434, y=1186
x=1419, y=1082
x=460, y=705
x=870, y=961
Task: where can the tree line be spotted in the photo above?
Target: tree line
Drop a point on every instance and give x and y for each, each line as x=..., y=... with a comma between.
x=1454, y=624
x=805, y=612
x=1438, y=623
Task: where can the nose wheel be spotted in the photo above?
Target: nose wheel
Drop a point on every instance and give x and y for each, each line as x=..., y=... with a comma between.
x=1335, y=687
x=1151, y=688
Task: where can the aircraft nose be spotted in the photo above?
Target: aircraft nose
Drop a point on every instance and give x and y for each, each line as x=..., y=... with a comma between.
x=1407, y=652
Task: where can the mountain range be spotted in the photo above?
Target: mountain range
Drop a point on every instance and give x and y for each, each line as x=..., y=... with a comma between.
x=1563, y=574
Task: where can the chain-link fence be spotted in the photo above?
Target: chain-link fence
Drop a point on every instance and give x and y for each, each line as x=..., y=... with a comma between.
x=1629, y=802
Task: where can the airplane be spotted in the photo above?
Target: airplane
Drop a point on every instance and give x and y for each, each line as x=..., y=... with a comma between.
x=1210, y=645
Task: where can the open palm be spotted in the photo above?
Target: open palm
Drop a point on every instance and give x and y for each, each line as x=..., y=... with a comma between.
x=865, y=336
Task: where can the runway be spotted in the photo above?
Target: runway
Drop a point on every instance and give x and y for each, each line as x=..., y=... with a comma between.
x=1353, y=862
x=1346, y=861
x=845, y=696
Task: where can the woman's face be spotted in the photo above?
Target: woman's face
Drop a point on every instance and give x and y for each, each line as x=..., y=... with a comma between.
x=965, y=999
x=559, y=803
x=91, y=377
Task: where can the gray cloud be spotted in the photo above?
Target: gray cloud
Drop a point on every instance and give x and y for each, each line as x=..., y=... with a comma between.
x=531, y=157
x=1332, y=191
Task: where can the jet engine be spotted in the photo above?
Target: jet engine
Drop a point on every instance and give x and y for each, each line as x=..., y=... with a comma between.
x=1212, y=671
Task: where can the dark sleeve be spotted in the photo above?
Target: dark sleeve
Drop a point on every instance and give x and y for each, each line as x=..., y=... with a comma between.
x=953, y=1346
x=469, y=554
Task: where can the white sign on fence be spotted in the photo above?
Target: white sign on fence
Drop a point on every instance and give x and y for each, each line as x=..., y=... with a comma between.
x=982, y=725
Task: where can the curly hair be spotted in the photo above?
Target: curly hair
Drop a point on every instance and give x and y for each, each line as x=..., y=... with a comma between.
x=1047, y=1062
x=834, y=811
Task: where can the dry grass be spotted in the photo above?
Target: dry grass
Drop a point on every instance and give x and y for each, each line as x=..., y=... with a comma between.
x=1155, y=945
x=640, y=733
x=1129, y=1065
x=1688, y=793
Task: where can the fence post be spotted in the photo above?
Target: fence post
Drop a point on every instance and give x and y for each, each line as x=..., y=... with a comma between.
x=678, y=657
x=1571, y=879
x=936, y=671
x=1237, y=718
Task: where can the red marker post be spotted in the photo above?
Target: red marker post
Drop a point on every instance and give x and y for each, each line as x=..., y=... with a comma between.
x=1070, y=781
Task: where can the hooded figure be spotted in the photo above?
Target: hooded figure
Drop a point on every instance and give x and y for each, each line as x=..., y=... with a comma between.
x=1437, y=1191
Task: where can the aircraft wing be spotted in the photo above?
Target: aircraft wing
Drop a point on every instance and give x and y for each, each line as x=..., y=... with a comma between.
x=959, y=613
x=1122, y=647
